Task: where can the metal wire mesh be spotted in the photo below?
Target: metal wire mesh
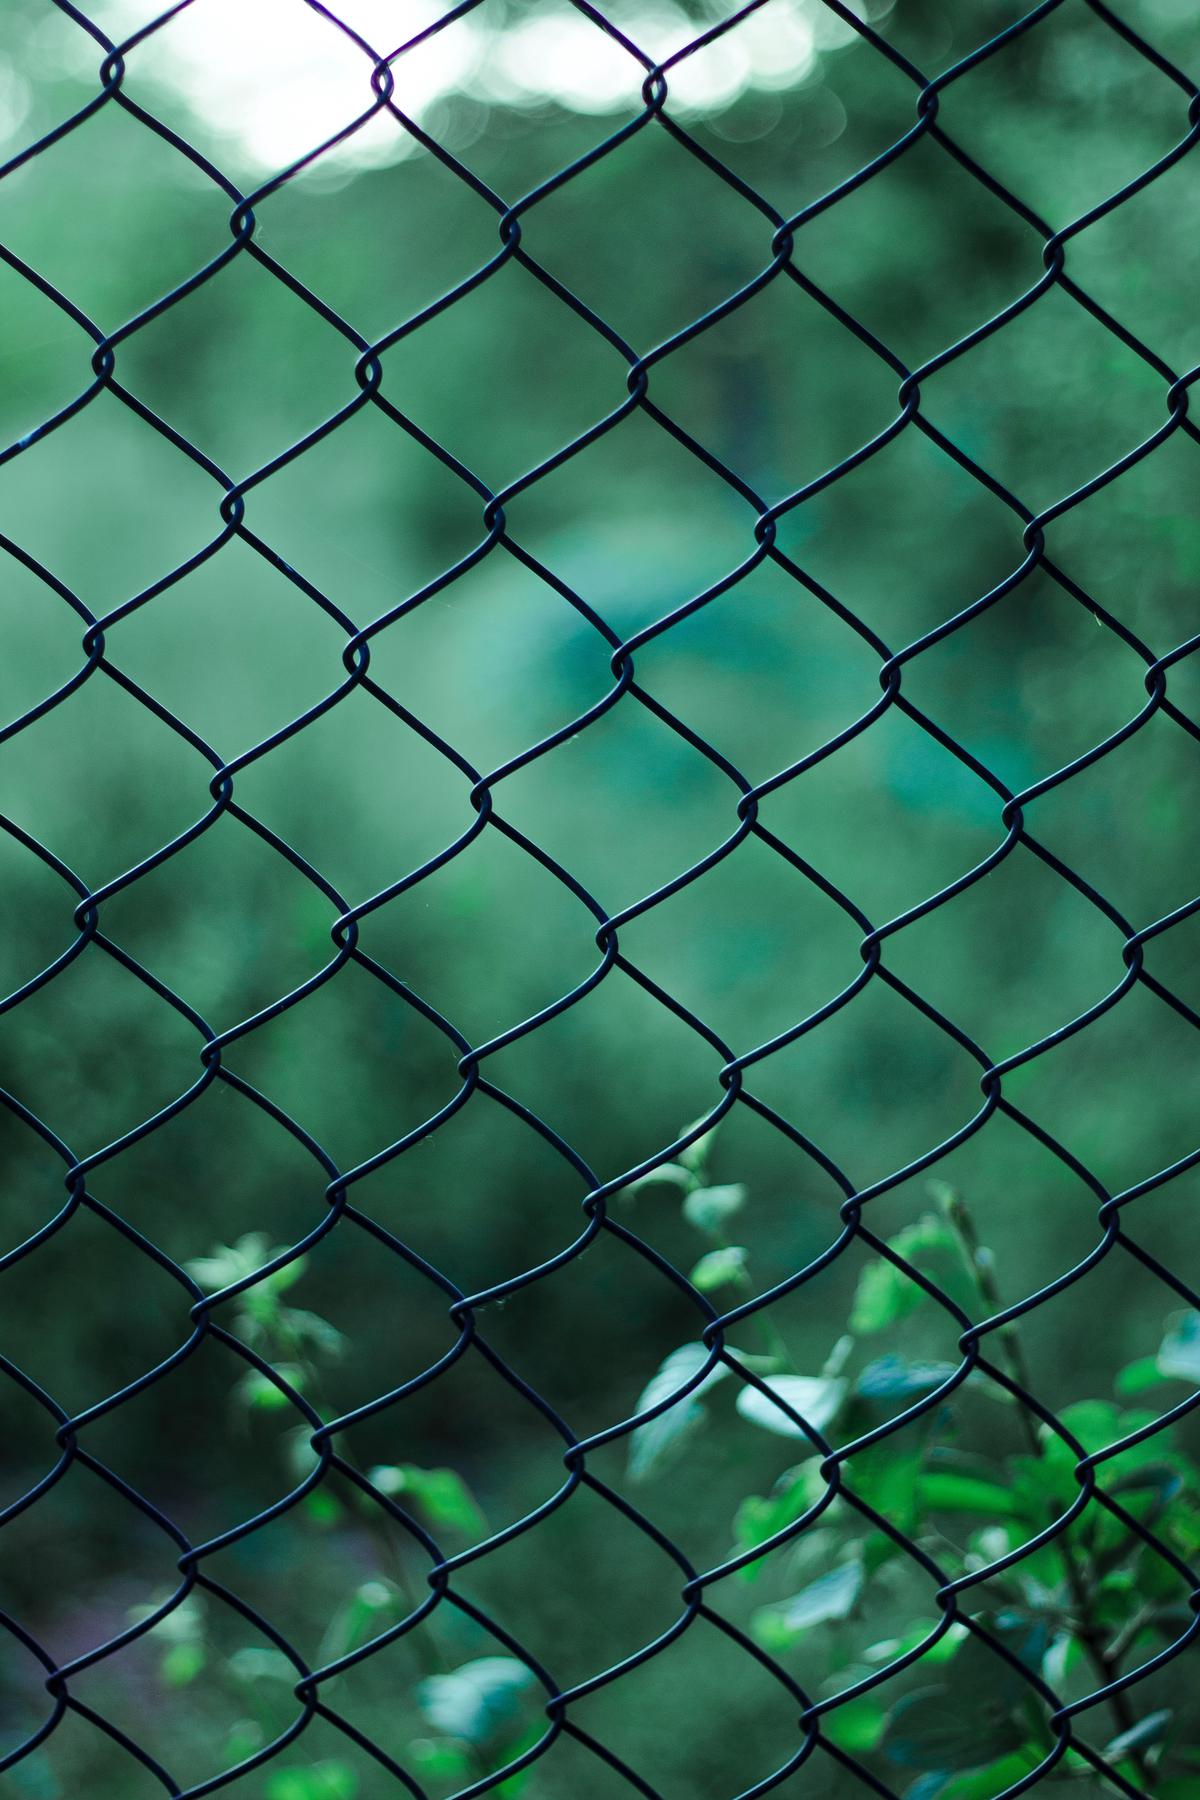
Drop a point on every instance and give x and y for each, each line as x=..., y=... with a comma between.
x=1072, y=1726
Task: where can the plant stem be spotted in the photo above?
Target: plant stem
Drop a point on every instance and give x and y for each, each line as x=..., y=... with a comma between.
x=1091, y=1632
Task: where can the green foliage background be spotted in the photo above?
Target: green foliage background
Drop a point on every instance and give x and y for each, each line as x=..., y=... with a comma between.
x=921, y=254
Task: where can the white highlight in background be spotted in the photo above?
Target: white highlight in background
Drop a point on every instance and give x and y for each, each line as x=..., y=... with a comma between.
x=276, y=79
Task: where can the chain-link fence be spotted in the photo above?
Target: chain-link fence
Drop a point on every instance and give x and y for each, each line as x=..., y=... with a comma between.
x=1084, y=1689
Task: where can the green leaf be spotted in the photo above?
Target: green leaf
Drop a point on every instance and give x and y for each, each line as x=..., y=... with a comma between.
x=888, y=1649
x=665, y=1175
x=1156, y=1579
x=885, y=1294
x=255, y=1662
x=882, y=1296
x=948, y=1646
x=233, y=1262
x=1150, y=1730
x=1042, y=1484
x=515, y=1783
x=1096, y=1423
x=364, y=1615
x=322, y=1509
x=696, y=1154
x=941, y=1729
x=886, y=1476
x=1136, y=1377
x=839, y=1356
x=927, y=1787
x=440, y=1759
x=831, y=1596
x=480, y=1701
x=815, y=1399
x=310, y=1330
x=893, y=1377
x=182, y=1663
x=757, y=1363
x=258, y=1392
x=1063, y=1655
x=659, y=1441
x=855, y=1727
x=440, y=1494
x=298, y=1450
x=939, y=1491
x=182, y=1625
x=721, y=1268
x=710, y=1209
x=1179, y=1352
x=243, y=1738
x=997, y=1778
x=229, y=1262
x=319, y=1781
x=970, y=1719
x=759, y=1517
x=878, y=1549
